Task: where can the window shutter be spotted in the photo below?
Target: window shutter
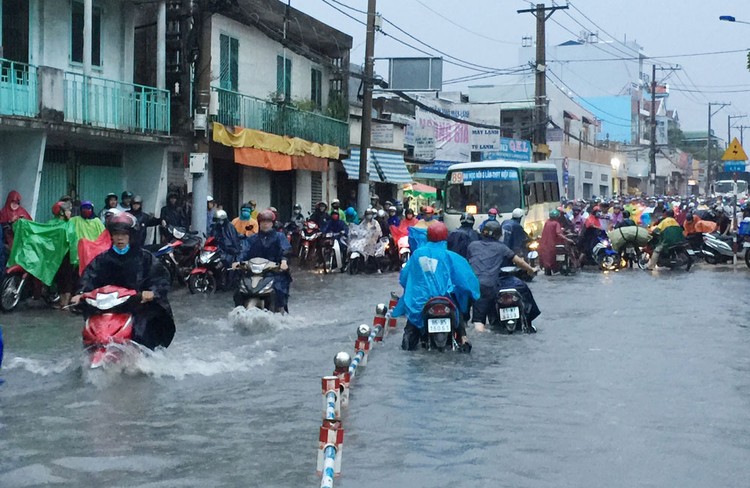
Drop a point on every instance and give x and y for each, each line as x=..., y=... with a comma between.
x=234, y=57
x=316, y=188
x=224, y=80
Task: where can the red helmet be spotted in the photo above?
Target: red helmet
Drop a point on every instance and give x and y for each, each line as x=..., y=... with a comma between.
x=266, y=215
x=429, y=209
x=492, y=211
x=437, y=232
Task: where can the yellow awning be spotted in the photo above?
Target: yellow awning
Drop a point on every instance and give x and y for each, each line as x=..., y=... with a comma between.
x=291, y=146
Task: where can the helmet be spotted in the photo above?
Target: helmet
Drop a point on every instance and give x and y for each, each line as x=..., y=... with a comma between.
x=381, y=213
x=370, y=211
x=220, y=216
x=110, y=195
x=126, y=194
x=554, y=213
x=625, y=214
x=111, y=212
x=121, y=222
x=392, y=209
x=437, y=232
x=266, y=216
x=322, y=203
x=492, y=228
x=467, y=218
x=429, y=209
x=209, y=198
x=298, y=207
x=137, y=199
x=335, y=200
x=60, y=207
x=517, y=213
x=87, y=203
x=492, y=211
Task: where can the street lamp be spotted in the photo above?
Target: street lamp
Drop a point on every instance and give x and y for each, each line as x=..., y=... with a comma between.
x=730, y=18
x=615, y=162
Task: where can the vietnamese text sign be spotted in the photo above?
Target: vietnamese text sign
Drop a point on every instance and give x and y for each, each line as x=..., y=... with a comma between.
x=510, y=149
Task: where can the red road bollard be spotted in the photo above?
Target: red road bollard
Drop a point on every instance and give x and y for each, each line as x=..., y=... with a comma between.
x=331, y=434
x=362, y=343
x=379, y=321
x=392, y=321
x=331, y=398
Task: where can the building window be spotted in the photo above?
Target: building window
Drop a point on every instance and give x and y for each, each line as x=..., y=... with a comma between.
x=76, y=32
x=603, y=191
x=566, y=130
x=229, y=54
x=316, y=188
x=284, y=78
x=587, y=189
x=588, y=174
x=605, y=177
x=316, y=88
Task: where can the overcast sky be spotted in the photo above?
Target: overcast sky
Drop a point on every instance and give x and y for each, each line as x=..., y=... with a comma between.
x=489, y=32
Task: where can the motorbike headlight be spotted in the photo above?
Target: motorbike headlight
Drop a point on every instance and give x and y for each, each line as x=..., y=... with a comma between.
x=534, y=245
x=206, y=257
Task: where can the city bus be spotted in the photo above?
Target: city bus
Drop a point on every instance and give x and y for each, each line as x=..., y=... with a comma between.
x=477, y=187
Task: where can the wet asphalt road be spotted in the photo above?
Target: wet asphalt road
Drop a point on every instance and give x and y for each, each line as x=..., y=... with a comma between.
x=634, y=379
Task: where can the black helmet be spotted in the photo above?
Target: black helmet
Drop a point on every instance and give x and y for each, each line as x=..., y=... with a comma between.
x=126, y=194
x=492, y=228
x=467, y=219
x=121, y=222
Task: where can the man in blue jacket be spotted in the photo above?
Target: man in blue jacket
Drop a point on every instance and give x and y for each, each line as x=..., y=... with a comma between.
x=434, y=271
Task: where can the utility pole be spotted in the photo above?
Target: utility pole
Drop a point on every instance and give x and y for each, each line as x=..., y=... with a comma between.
x=729, y=125
x=652, y=152
x=709, y=164
x=540, y=91
x=363, y=185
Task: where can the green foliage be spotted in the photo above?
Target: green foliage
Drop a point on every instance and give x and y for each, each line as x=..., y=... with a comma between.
x=338, y=106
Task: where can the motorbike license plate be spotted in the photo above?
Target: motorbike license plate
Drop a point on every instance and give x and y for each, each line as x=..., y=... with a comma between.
x=438, y=325
x=560, y=258
x=510, y=313
x=691, y=252
x=630, y=250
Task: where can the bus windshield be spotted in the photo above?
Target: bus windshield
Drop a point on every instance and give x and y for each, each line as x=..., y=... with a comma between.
x=483, y=188
x=727, y=187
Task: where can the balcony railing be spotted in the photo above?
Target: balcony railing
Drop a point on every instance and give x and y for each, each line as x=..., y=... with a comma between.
x=236, y=109
x=18, y=89
x=115, y=105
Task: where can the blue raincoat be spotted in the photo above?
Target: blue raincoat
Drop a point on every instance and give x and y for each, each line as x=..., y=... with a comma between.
x=434, y=271
x=417, y=237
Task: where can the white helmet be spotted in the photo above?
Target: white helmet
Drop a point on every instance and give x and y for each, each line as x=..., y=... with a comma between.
x=517, y=213
x=381, y=213
x=220, y=216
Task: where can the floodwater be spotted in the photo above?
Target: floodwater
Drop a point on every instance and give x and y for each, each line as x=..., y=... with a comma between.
x=634, y=379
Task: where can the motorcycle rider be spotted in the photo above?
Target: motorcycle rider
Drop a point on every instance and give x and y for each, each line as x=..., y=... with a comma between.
x=320, y=215
x=336, y=205
x=137, y=269
x=434, y=271
x=271, y=245
x=245, y=224
x=626, y=220
x=491, y=217
x=513, y=234
x=172, y=214
x=428, y=217
x=552, y=235
x=459, y=239
x=226, y=237
x=670, y=234
x=110, y=201
x=126, y=200
x=11, y=212
x=486, y=257
x=393, y=218
x=143, y=220
x=210, y=212
x=577, y=220
x=351, y=216
x=339, y=229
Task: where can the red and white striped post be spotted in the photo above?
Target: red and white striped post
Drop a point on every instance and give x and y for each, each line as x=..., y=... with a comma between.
x=392, y=321
x=330, y=446
x=341, y=364
x=379, y=321
x=331, y=398
x=362, y=343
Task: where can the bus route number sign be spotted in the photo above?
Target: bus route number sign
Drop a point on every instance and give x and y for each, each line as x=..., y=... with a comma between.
x=457, y=177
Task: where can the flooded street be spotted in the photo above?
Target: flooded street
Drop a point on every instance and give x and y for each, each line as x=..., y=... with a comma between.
x=634, y=379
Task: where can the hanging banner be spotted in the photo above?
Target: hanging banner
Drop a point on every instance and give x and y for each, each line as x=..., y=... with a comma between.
x=510, y=149
x=484, y=139
x=451, y=137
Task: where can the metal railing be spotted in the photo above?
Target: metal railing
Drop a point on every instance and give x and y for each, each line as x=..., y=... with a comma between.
x=18, y=89
x=237, y=109
x=111, y=104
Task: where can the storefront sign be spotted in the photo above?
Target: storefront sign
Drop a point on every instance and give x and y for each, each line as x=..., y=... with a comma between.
x=511, y=150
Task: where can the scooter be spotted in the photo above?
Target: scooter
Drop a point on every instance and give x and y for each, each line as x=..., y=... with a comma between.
x=603, y=255
x=719, y=249
x=308, y=241
x=330, y=252
x=440, y=325
x=510, y=307
x=179, y=255
x=209, y=272
x=675, y=256
x=18, y=284
x=256, y=284
x=108, y=330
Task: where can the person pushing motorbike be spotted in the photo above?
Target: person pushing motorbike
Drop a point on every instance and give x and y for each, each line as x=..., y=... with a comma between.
x=137, y=269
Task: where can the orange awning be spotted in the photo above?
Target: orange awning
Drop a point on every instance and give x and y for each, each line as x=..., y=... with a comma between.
x=274, y=161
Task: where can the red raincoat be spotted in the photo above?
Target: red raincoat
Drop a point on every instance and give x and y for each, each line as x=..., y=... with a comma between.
x=552, y=235
x=8, y=215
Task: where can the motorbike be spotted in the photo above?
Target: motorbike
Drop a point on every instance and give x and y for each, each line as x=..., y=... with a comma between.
x=719, y=249
x=440, y=330
x=565, y=260
x=603, y=255
x=256, y=284
x=293, y=235
x=510, y=307
x=308, y=242
x=672, y=257
x=631, y=255
x=209, y=272
x=179, y=254
x=108, y=330
x=400, y=243
x=18, y=285
x=330, y=252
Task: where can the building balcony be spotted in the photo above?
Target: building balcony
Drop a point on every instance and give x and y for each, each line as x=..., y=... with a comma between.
x=62, y=96
x=236, y=109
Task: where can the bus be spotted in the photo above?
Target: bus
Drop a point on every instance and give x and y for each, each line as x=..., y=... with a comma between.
x=477, y=187
x=726, y=188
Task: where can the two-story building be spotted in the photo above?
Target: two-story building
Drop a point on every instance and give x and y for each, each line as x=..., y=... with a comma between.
x=274, y=83
x=74, y=118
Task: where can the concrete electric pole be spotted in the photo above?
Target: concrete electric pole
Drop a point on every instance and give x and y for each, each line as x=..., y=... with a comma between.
x=363, y=185
x=541, y=13
x=709, y=164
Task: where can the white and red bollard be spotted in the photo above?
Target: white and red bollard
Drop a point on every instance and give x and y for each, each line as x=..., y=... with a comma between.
x=331, y=398
x=330, y=445
x=362, y=343
x=341, y=364
x=392, y=321
x=378, y=322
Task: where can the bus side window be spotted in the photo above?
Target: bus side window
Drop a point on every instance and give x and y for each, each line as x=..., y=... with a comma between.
x=554, y=192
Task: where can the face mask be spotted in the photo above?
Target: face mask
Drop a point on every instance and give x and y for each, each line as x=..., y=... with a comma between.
x=428, y=217
x=245, y=214
x=121, y=251
x=368, y=217
x=87, y=213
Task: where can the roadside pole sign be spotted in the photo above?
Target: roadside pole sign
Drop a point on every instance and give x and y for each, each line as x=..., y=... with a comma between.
x=734, y=152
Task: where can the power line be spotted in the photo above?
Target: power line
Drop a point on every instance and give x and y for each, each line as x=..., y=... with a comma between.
x=587, y=29
x=601, y=29
x=364, y=12
x=666, y=56
x=464, y=28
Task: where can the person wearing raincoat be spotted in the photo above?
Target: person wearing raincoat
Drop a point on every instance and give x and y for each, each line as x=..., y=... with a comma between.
x=245, y=224
x=11, y=212
x=434, y=271
x=552, y=235
x=363, y=238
